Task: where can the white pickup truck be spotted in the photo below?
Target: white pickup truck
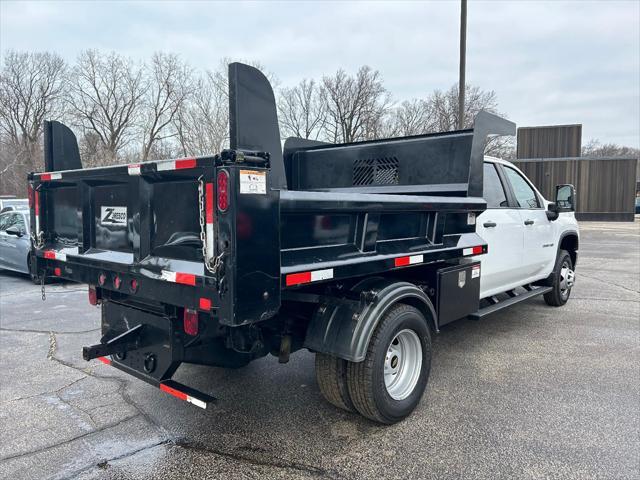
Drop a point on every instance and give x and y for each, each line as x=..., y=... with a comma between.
x=529, y=243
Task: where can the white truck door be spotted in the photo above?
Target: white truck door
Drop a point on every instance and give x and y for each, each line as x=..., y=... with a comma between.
x=539, y=245
x=502, y=228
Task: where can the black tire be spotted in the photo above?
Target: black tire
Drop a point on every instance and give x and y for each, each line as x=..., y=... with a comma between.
x=34, y=278
x=559, y=295
x=366, y=380
x=331, y=375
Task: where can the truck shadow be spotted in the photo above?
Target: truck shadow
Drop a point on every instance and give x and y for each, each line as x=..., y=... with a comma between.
x=266, y=392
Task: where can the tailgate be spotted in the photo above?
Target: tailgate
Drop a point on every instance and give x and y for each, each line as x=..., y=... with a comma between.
x=140, y=220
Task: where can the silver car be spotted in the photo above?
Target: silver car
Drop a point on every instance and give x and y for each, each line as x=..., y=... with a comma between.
x=15, y=243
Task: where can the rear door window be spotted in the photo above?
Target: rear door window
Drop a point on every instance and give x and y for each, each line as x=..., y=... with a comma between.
x=525, y=195
x=493, y=190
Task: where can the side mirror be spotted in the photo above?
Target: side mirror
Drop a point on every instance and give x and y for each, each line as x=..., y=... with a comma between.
x=552, y=212
x=565, y=198
x=15, y=231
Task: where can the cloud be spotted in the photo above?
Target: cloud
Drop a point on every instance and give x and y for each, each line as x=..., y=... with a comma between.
x=548, y=62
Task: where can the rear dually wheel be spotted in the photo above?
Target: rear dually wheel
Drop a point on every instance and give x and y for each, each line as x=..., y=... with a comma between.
x=388, y=385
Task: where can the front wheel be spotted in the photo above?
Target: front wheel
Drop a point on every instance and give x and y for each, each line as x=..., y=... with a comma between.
x=388, y=385
x=563, y=279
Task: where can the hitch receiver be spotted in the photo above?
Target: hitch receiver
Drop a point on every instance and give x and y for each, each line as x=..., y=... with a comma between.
x=129, y=340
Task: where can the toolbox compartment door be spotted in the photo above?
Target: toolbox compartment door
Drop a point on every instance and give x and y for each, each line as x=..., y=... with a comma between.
x=458, y=292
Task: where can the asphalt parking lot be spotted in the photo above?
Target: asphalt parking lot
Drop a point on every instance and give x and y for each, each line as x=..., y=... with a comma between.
x=531, y=392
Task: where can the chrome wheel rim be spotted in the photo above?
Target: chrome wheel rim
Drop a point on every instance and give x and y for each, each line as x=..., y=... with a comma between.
x=567, y=278
x=402, y=364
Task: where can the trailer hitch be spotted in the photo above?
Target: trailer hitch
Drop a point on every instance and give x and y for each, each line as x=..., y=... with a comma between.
x=129, y=340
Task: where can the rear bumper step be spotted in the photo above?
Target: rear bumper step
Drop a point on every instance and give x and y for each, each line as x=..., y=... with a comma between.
x=177, y=389
x=512, y=300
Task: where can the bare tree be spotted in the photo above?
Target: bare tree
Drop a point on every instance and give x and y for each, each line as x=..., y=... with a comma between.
x=412, y=117
x=105, y=97
x=444, y=106
x=443, y=109
x=501, y=146
x=594, y=148
x=202, y=122
x=301, y=110
x=355, y=106
x=31, y=85
x=168, y=86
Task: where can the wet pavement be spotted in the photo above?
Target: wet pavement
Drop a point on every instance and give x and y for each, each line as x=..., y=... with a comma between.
x=530, y=392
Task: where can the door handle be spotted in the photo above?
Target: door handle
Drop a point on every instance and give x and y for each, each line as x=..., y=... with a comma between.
x=529, y=222
x=489, y=224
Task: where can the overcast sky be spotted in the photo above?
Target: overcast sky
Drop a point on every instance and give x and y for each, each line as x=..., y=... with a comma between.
x=549, y=62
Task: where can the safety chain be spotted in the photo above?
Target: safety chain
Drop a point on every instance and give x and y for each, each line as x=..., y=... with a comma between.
x=44, y=296
x=38, y=240
x=38, y=237
x=203, y=227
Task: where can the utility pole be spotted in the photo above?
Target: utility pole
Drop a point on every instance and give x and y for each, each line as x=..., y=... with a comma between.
x=463, y=60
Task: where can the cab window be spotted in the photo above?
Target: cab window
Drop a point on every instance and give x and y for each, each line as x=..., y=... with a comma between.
x=492, y=186
x=525, y=195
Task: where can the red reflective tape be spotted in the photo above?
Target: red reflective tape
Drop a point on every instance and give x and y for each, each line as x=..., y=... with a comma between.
x=50, y=254
x=57, y=272
x=44, y=177
x=477, y=250
x=209, y=202
x=173, y=391
x=185, y=163
x=186, y=278
x=298, y=278
x=36, y=205
x=205, y=304
x=105, y=360
x=402, y=261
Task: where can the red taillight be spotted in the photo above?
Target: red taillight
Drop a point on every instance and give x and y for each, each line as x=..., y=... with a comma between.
x=93, y=295
x=133, y=285
x=223, y=190
x=190, y=322
x=477, y=250
x=57, y=272
x=117, y=282
x=205, y=304
x=102, y=279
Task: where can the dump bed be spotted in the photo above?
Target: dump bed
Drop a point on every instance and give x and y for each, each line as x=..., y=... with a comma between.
x=228, y=233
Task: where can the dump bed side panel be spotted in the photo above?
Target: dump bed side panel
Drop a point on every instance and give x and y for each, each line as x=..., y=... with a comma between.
x=441, y=159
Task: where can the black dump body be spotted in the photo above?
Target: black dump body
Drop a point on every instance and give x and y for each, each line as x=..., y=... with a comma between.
x=228, y=235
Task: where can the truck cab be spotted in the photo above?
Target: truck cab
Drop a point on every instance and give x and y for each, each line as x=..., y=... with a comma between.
x=524, y=231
